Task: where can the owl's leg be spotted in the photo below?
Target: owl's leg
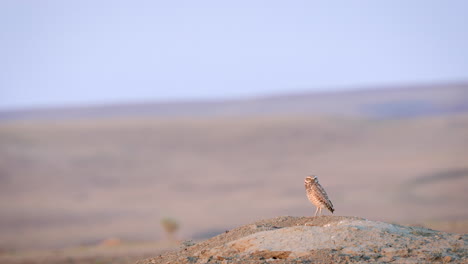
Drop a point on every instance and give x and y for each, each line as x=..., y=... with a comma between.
x=316, y=211
x=320, y=211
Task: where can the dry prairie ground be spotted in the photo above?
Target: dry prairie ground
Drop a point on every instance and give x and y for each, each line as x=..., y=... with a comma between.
x=323, y=239
x=124, y=253
x=66, y=183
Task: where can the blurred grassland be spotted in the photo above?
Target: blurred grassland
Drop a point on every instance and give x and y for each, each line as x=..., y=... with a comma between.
x=77, y=182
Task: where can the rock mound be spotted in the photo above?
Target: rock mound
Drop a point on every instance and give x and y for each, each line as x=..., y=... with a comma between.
x=324, y=239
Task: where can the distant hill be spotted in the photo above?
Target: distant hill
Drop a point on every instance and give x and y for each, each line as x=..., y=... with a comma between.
x=398, y=102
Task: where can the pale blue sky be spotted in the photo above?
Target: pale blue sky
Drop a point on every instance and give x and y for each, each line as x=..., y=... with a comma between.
x=89, y=52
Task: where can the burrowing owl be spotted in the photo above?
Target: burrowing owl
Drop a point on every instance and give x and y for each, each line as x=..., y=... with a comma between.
x=317, y=194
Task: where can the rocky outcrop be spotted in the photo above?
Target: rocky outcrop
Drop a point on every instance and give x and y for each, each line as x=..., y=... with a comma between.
x=324, y=239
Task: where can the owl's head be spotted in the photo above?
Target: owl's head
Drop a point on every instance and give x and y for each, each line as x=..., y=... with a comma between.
x=311, y=179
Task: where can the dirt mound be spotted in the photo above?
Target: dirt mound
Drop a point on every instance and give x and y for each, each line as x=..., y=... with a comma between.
x=335, y=239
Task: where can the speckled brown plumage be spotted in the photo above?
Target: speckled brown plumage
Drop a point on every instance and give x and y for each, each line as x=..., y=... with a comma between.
x=317, y=194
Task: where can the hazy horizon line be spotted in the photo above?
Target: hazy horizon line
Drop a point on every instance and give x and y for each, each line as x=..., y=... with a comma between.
x=256, y=96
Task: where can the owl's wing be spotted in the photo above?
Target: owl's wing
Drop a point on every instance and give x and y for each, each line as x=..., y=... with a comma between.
x=324, y=197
